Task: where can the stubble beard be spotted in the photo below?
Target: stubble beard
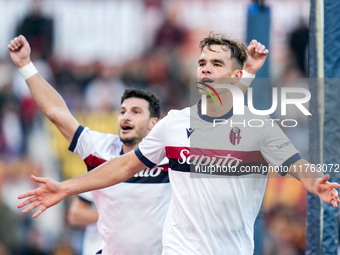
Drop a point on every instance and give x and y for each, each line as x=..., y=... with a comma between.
x=129, y=141
x=132, y=141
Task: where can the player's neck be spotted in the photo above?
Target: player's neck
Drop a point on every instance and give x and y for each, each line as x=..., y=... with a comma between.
x=217, y=109
x=128, y=147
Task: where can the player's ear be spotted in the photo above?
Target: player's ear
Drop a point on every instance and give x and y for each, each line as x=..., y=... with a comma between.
x=236, y=76
x=152, y=123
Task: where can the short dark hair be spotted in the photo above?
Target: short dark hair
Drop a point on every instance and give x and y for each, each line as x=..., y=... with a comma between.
x=238, y=50
x=153, y=100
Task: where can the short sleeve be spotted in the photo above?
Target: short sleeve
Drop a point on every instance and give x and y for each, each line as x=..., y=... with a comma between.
x=87, y=142
x=151, y=151
x=276, y=147
x=86, y=197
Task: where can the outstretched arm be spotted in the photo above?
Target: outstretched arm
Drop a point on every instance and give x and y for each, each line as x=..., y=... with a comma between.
x=46, y=97
x=51, y=193
x=257, y=54
x=315, y=181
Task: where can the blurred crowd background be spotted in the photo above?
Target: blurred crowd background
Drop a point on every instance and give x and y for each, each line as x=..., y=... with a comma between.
x=90, y=51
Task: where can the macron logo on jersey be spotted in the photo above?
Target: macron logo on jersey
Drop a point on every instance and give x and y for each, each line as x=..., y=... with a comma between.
x=189, y=132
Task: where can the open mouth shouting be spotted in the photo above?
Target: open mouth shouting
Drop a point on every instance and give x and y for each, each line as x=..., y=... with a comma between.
x=126, y=128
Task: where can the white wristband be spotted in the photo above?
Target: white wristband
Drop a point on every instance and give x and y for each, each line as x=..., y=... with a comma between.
x=247, y=78
x=28, y=70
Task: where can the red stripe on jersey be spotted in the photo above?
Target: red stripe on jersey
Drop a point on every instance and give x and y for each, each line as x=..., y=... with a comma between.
x=165, y=167
x=94, y=161
x=173, y=152
x=246, y=156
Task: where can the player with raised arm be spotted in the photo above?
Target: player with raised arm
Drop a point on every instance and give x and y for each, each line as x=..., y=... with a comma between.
x=142, y=200
x=206, y=215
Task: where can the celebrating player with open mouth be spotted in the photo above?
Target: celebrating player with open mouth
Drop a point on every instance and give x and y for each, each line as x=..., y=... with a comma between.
x=206, y=215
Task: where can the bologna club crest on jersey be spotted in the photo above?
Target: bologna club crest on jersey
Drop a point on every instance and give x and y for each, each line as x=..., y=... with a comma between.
x=235, y=135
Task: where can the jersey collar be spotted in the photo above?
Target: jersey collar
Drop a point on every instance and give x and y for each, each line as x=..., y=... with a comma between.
x=211, y=119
